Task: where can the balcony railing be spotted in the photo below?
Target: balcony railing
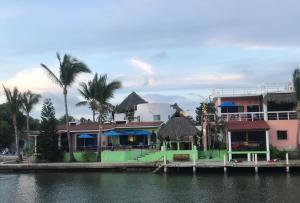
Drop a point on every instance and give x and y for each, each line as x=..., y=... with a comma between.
x=248, y=145
x=255, y=116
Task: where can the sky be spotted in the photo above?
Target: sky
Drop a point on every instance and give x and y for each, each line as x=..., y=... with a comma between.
x=165, y=50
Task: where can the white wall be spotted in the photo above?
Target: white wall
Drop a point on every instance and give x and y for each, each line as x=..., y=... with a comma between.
x=148, y=110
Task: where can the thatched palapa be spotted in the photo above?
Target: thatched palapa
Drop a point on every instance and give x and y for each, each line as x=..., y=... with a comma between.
x=129, y=103
x=178, y=129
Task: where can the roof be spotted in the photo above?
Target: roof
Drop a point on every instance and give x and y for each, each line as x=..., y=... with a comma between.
x=176, y=107
x=88, y=127
x=246, y=125
x=130, y=102
x=281, y=97
x=178, y=128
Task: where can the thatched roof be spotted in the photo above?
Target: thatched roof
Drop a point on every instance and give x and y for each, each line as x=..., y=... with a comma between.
x=178, y=128
x=176, y=107
x=281, y=97
x=130, y=102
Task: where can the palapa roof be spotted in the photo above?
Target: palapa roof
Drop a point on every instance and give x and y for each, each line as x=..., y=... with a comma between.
x=281, y=97
x=178, y=128
x=130, y=102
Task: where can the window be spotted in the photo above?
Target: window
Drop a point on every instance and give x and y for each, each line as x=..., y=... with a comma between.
x=253, y=108
x=281, y=135
x=156, y=117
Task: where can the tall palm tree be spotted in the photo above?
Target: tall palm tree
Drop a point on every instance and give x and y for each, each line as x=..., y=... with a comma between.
x=88, y=91
x=104, y=92
x=14, y=100
x=69, y=68
x=296, y=82
x=29, y=100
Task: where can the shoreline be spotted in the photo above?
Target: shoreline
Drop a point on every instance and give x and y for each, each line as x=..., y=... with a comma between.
x=197, y=167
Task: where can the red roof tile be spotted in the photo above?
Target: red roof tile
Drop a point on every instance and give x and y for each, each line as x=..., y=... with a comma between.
x=108, y=126
x=246, y=125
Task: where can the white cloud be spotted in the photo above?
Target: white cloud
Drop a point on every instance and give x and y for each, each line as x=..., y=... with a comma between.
x=147, y=69
x=34, y=79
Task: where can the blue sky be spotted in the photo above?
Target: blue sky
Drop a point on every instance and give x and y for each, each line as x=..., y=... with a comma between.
x=167, y=51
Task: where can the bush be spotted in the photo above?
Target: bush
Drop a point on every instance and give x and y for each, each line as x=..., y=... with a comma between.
x=277, y=154
x=88, y=156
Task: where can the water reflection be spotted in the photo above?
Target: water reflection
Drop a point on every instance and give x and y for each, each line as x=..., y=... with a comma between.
x=147, y=187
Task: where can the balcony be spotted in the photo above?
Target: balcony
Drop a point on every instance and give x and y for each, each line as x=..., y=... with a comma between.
x=256, y=116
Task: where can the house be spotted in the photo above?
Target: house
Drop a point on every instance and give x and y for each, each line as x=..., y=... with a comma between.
x=118, y=136
x=135, y=108
x=255, y=119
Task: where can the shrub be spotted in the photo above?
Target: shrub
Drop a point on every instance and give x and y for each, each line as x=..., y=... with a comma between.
x=276, y=153
x=88, y=156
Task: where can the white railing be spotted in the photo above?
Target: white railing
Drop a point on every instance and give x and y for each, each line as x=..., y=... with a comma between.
x=272, y=88
x=243, y=116
x=255, y=116
x=282, y=115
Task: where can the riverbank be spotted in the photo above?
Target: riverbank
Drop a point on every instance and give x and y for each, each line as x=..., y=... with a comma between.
x=293, y=165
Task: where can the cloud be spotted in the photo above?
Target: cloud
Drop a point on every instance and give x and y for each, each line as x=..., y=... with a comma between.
x=142, y=65
x=34, y=79
x=147, y=70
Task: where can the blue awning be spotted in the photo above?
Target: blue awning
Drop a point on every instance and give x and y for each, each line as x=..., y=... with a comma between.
x=227, y=104
x=127, y=132
x=85, y=136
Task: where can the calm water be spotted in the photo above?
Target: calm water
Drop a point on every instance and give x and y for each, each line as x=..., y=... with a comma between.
x=147, y=187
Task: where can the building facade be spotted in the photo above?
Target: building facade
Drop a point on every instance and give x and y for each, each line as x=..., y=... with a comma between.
x=256, y=119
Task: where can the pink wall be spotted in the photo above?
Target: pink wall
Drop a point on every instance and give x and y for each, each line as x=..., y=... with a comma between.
x=291, y=126
x=244, y=101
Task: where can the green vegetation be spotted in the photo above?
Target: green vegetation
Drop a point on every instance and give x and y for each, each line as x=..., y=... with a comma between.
x=14, y=101
x=69, y=69
x=48, y=139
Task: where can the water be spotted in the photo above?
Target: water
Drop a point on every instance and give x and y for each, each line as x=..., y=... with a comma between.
x=148, y=187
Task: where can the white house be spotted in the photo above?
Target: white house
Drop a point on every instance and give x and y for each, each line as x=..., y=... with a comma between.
x=154, y=112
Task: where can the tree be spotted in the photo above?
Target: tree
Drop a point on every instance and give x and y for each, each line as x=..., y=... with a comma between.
x=296, y=82
x=69, y=69
x=29, y=100
x=63, y=119
x=88, y=91
x=48, y=139
x=14, y=101
x=104, y=92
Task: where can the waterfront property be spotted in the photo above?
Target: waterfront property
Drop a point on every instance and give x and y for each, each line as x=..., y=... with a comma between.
x=256, y=119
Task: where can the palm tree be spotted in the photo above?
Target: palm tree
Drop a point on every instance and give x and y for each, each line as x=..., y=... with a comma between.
x=29, y=100
x=87, y=91
x=104, y=92
x=14, y=100
x=296, y=81
x=69, y=69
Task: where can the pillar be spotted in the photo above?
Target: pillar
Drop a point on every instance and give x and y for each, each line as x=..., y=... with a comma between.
x=265, y=107
x=204, y=137
x=59, y=141
x=249, y=157
x=219, y=108
x=229, y=145
x=268, y=144
x=149, y=139
x=35, y=144
x=178, y=146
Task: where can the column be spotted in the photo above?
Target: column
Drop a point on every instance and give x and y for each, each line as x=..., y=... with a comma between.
x=204, y=137
x=229, y=145
x=59, y=141
x=178, y=146
x=268, y=144
x=265, y=107
x=149, y=139
x=35, y=144
x=218, y=104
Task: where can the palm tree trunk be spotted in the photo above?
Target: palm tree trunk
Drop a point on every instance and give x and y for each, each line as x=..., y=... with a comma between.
x=98, y=156
x=27, y=128
x=71, y=155
x=19, y=158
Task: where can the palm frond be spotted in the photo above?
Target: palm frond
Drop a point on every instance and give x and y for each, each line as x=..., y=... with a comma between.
x=52, y=76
